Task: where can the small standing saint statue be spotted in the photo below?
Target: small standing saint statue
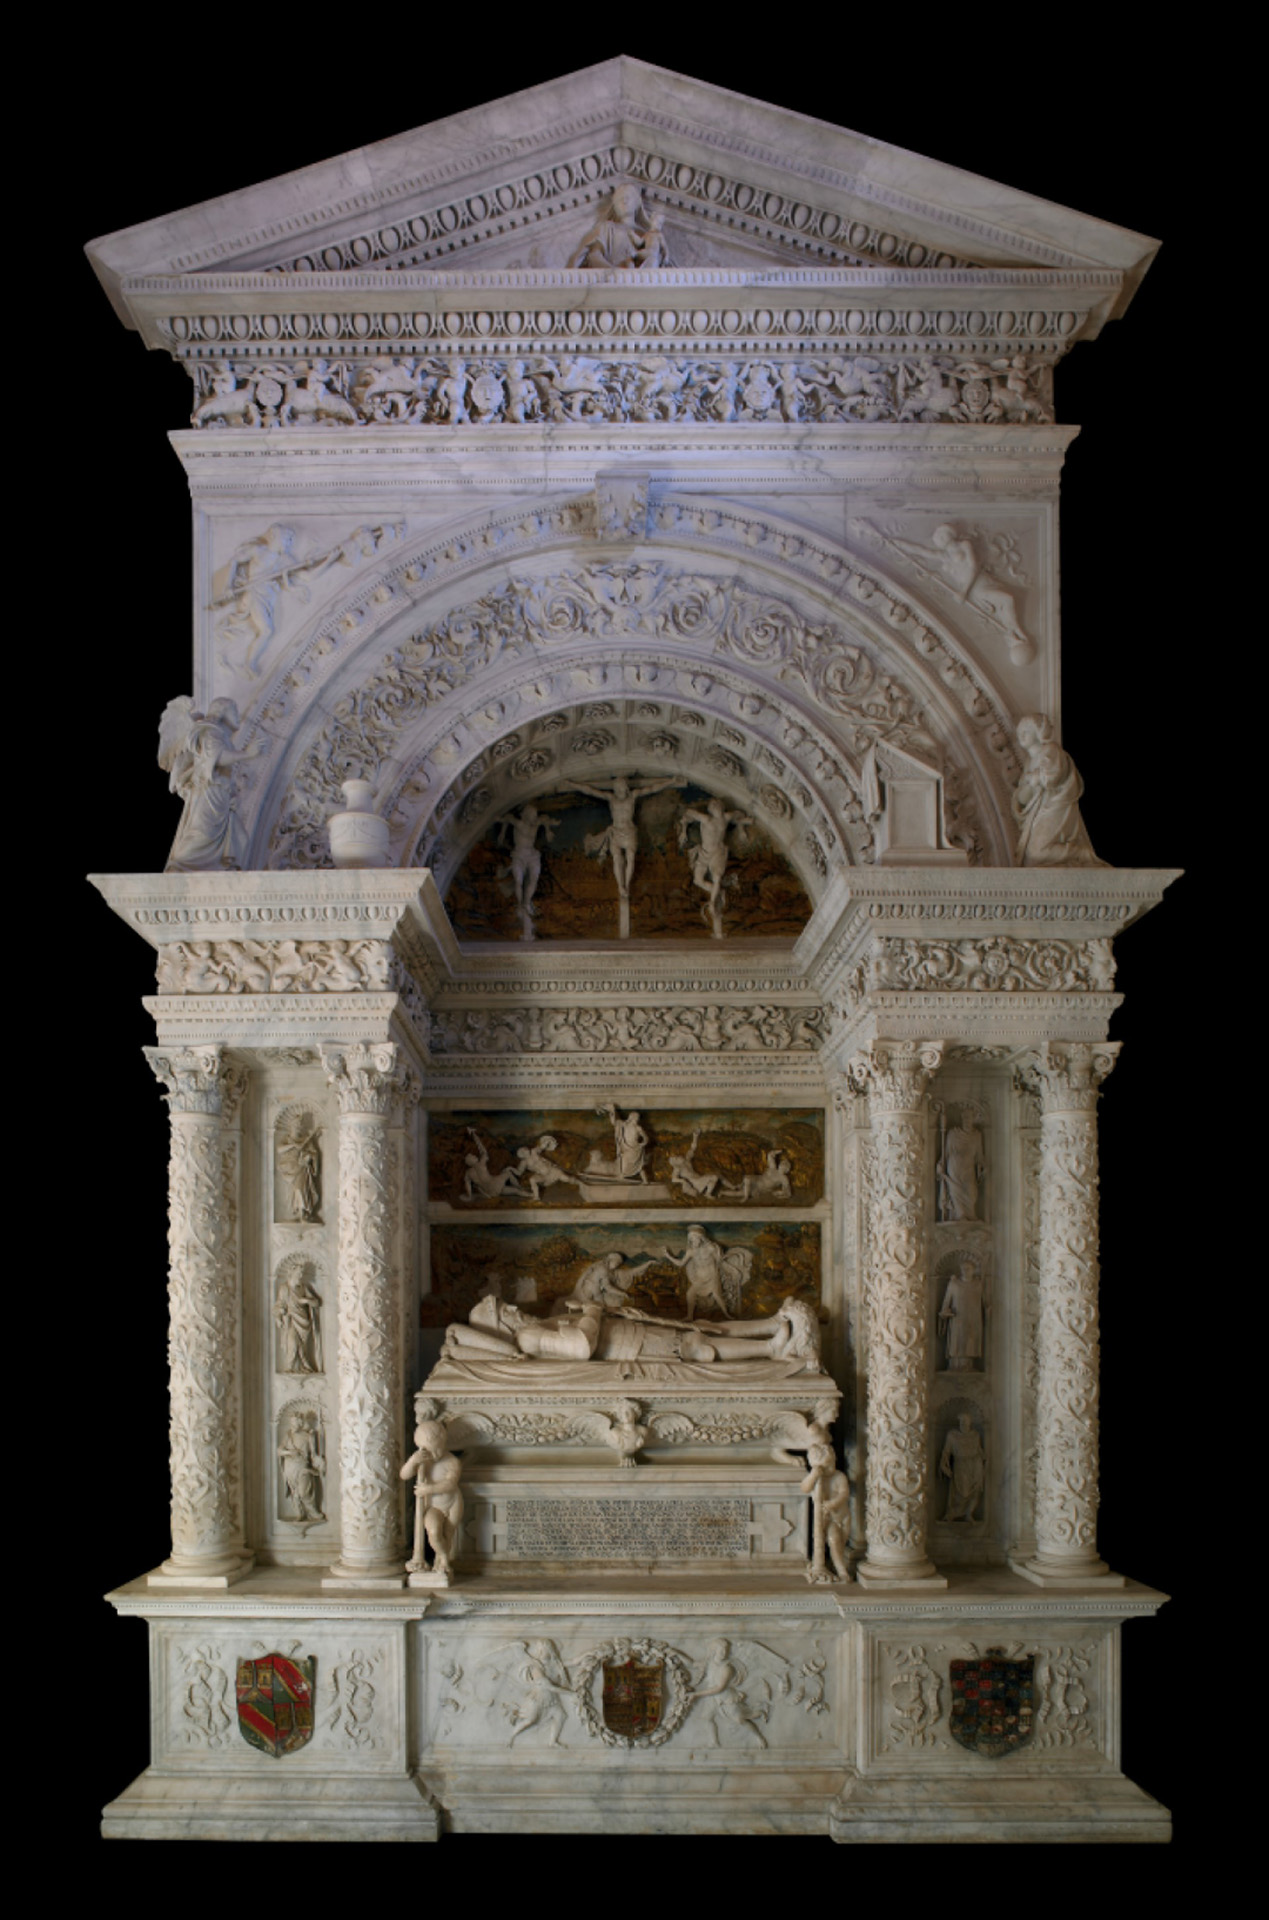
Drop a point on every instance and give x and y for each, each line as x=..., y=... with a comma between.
x=438, y=1505
x=963, y=1464
x=961, y=1318
x=962, y=1163
x=300, y=1158
x=298, y=1313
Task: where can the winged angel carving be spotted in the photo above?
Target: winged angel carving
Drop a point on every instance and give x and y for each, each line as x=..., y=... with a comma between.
x=729, y=1692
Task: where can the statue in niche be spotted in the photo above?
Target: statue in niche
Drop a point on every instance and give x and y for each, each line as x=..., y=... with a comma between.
x=954, y=559
x=716, y=1276
x=479, y=1183
x=300, y=1159
x=1046, y=801
x=630, y=1148
x=607, y=1281
x=829, y=1489
x=709, y=854
x=302, y=1458
x=961, y=1164
x=619, y=841
x=537, y=1171
x=624, y=236
x=297, y=1313
x=438, y=1502
x=773, y=1183
x=525, y=867
x=197, y=752
x=961, y=1318
x=497, y=1331
x=963, y=1464
x=700, y=1186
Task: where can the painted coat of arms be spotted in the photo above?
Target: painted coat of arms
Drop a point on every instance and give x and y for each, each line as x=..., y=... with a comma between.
x=633, y=1696
x=993, y=1702
x=275, y=1703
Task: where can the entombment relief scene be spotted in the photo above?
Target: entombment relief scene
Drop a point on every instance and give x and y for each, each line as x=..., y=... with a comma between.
x=633, y=993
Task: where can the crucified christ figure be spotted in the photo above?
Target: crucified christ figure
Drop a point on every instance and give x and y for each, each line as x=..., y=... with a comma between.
x=619, y=840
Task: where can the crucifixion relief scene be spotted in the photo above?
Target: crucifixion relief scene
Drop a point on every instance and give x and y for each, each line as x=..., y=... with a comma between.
x=633, y=989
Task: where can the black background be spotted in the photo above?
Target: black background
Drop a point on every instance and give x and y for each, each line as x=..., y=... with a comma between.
x=160, y=125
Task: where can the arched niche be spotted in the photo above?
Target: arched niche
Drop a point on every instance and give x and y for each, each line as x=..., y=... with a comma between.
x=811, y=655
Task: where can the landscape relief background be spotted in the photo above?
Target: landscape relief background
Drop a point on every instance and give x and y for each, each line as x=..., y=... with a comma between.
x=465, y=1260
x=733, y=1144
x=576, y=897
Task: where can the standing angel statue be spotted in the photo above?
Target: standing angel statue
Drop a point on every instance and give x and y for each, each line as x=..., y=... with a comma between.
x=197, y=752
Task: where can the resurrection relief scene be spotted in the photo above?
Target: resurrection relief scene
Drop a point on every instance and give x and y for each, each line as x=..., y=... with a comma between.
x=608, y=1157
x=634, y=992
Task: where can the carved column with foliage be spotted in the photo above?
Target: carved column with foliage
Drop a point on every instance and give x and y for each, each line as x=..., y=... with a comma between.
x=1068, y=1075
x=372, y=1085
x=897, y=1312
x=204, y=1090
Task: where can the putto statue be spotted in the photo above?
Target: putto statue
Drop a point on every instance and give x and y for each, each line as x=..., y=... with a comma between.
x=625, y=235
x=1046, y=801
x=438, y=1505
x=197, y=752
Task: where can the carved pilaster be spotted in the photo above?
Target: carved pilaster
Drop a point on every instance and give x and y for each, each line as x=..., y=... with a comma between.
x=204, y=1091
x=372, y=1085
x=897, y=1496
x=1067, y=1076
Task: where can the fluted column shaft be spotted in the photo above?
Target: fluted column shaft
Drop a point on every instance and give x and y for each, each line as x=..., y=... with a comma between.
x=897, y=1312
x=1068, y=1075
x=371, y=1085
x=203, y=1091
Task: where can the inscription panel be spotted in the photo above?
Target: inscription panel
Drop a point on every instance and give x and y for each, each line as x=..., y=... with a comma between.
x=608, y=1529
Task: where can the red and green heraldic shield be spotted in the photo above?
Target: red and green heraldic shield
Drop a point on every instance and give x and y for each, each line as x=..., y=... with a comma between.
x=275, y=1703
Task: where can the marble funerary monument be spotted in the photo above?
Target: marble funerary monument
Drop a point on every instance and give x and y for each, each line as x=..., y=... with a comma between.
x=633, y=988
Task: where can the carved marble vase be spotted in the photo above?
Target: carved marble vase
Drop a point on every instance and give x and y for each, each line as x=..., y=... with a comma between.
x=358, y=836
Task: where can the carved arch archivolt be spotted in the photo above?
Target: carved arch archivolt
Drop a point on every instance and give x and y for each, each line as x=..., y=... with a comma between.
x=802, y=655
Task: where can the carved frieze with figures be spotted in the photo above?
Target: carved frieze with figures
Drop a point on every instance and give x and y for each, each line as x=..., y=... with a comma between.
x=740, y=1268
x=606, y=1156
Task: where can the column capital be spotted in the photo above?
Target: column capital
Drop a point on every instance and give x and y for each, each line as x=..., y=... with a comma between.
x=198, y=1079
x=1067, y=1074
x=370, y=1078
x=895, y=1074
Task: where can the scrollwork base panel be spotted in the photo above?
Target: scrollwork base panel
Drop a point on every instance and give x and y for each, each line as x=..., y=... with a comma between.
x=749, y=1702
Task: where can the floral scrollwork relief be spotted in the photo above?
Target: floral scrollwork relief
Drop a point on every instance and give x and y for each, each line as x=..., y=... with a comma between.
x=627, y=1029
x=351, y=1703
x=274, y=966
x=993, y=965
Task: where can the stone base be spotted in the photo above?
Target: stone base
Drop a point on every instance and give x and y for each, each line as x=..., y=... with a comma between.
x=168, y=1576
x=1045, y=1576
x=591, y=1701
x=158, y=1807
x=907, y=1813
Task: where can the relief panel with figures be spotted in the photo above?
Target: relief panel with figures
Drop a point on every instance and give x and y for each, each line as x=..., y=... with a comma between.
x=626, y=857
x=737, y=1269
x=557, y=1157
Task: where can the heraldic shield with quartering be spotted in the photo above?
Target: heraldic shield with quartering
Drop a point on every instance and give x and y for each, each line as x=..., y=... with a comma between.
x=275, y=1703
x=633, y=1697
x=993, y=1702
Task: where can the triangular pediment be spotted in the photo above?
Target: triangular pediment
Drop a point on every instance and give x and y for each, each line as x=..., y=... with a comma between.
x=721, y=182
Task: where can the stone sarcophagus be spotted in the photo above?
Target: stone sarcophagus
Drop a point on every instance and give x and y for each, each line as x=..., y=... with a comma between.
x=633, y=992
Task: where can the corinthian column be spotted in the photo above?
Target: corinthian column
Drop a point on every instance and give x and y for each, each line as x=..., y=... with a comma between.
x=897, y=1314
x=1068, y=1075
x=204, y=1091
x=371, y=1085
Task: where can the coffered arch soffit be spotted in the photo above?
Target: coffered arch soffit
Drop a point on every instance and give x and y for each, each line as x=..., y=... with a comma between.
x=421, y=678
